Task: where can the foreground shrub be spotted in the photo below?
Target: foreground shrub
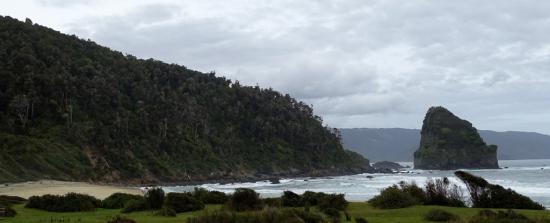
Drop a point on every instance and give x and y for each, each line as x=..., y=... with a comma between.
x=244, y=199
x=71, y=202
x=336, y=201
x=488, y=216
x=210, y=197
x=486, y=195
x=7, y=200
x=440, y=215
x=182, y=202
x=135, y=205
x=267, y=215
x=361, y=220
x=119, y=219
x=6, y=211
x=166, y=212
x=312, y=198
x=154, y=198
x=393, y=197
x=332, y=212
x=274, y=202
x=118, y=200
x=442, y=192
x=414, y=190
x=291, y=199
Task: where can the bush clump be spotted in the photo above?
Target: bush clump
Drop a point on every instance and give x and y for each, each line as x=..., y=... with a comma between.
x=291, y=199
x=393, y=197
x=118, y=200
x=166, y=212
x=71, y=202
x=154, y=198
x=440, y=215
x=7, y=200
x=135, y=205
x=442, y=192
x=182, y=202
x=312, y=198
x=486, y=195
x=6, y=211
x=509, y=216
x=336, y=201
x=274, y=202
x=244, y=199
x=210, y=197
x=361, y=220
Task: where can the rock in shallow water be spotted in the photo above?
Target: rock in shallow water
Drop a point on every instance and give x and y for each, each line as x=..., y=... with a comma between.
x=448, y=142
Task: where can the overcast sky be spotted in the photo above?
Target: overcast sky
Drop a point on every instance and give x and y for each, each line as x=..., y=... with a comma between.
x=360, y=63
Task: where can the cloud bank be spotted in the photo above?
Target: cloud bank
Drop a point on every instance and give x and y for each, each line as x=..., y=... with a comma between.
x=360, y=63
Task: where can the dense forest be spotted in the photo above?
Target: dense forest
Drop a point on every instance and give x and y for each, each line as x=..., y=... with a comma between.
x=73, y=110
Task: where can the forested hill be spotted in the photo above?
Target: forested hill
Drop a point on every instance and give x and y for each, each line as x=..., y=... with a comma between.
x=73, y=110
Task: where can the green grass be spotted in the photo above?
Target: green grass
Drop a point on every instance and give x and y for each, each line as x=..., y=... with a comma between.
x=356, y=209
x=27, y=215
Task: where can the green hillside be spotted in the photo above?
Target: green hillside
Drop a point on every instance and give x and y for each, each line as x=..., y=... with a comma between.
x=73, y=110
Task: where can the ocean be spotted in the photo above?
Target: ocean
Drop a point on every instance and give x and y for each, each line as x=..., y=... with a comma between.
x=528, y=177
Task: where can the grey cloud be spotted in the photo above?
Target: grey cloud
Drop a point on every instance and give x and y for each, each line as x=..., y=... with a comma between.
x=360, y=63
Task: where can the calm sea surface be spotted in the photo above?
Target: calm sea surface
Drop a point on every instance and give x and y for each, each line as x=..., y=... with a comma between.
x=528, y=177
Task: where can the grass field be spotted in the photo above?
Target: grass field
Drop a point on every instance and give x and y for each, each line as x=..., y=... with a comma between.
x=356, y=209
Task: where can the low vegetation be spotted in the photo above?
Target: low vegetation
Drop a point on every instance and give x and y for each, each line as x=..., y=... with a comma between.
x=182, y=202
x=71, y=202
x=117, y=200
x=486, y=195
x=443, y=193
x=440, y=215
x=269, y=215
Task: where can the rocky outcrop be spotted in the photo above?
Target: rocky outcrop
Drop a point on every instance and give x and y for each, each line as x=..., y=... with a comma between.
x=385, y=166
x=448, y=142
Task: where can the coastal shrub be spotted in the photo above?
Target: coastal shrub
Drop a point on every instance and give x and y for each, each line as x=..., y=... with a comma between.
x=440, y=215
x=8, y=200
x=154, y=198
x=71, y=202
x=412, y=189
x=119, y=219
x=244, y=199
x=442, y=192
x=272, y=202
x=6, y=211
x=393, y=197
x=118, y=200
x=210, y=197
x=135, y=205
x=269, y=215
x=182, y=202
x=291, y=199
x=312, y=197
x=332, y=212
x=509, y=216
x=336, y=201
x=486, y=195
x=361, y=220
x=166, y=212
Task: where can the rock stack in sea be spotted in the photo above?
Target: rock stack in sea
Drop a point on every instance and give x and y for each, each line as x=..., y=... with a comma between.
x=448, y=142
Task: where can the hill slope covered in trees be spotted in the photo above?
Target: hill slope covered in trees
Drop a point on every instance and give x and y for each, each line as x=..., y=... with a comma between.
x=73, y=110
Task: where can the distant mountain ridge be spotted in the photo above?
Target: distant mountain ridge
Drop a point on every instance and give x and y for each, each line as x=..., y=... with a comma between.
x=398, y=144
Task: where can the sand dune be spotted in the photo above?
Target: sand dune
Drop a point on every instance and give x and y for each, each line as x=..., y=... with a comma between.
x=42, y=187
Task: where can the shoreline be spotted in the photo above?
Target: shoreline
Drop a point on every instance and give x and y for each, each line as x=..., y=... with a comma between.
x=41, y=187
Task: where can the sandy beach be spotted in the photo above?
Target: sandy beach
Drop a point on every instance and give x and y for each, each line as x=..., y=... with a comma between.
x=42, y=187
